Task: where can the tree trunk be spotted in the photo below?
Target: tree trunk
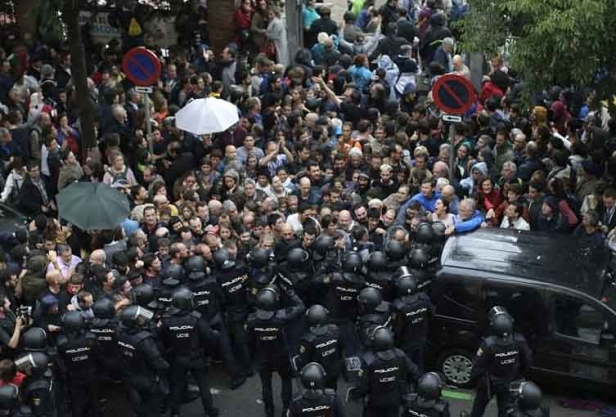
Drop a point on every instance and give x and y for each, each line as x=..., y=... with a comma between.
x=80, y=77
x=220, y=23
x=24, y=14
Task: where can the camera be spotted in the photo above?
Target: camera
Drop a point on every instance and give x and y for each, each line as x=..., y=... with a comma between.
x=25, y=313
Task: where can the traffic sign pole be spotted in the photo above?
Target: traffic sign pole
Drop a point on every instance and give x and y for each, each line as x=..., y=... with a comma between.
x=148, y=123
x=452, y=140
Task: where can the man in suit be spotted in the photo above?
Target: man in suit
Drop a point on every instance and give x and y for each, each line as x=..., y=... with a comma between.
x=607, y=210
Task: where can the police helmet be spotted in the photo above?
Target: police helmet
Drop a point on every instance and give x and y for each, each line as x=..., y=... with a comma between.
x=34, y=339
x=195, y=267
x=34, y=360
x=323, y=244
x=170, y=283
x=407, y=285
x=382, y=339
x=267, y=299
x=135, y=316
x=369, y=298
x=351, y=262
x=394, y=250
x=142, y=295
x=9, y=397
x=529, y=396
x=175, y=271
x=377, y=261
x=73, y=322
x=103, y=308
x=297, y=258
x=182, y=299
x=429, y=386
x=259, y=258
x=424, y=234
x=438, y=230
x=317, y=315
x=312, y=376
x=222, y=259
x=501, y=321
x=419, y=258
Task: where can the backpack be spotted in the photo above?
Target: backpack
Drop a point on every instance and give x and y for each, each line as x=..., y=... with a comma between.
x=13, y=199
x=118, y=178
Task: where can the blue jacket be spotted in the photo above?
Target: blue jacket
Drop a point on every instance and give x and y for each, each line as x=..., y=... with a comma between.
x=427, y=204
x=469, y=225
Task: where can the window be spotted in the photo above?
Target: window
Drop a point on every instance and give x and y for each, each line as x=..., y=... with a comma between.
x=574, y=318
x=457, y=299
x=525, y=304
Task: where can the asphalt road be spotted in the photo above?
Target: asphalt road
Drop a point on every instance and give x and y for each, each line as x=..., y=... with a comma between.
x=246, y=401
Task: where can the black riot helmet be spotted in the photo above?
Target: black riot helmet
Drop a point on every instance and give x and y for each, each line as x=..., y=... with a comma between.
x=195, y=267
x=259, y=258
x=222, y=259
x=405, y=286
x=438, y=230
x=501, y=321
x=424, y=234
x=382, y=339
x=267, y=302
x=9, y=399
x=34, y=360
x=103, y=308
x=323, y=244
x=352, y=262
x=369, y=299
x=175, y=271
x=312, y=376
x=34, y=340
x=429, y=386
x=297, y=258
x=142, y=295
x=73, y=322
x=182, y=299
x=135, y=316
x=317, y=315
x=419, y=258
x=377, y=261
x=394, y=250
x=529, y=396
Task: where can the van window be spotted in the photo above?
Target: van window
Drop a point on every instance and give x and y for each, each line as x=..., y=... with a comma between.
x=574, y=318
x=525, y=304
x=458, y=299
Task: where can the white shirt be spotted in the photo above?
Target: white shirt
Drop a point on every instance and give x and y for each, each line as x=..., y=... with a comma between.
x=519, y=224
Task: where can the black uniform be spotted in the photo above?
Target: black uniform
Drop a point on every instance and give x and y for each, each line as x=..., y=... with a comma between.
x=265, y=331
x=79, y=356
x=316, y=403
x=383, y=380
x=499, y=361
x=321, y=344
x=38, y=393
x=415, y=406
x=106, y=333
x=186, y=338
x=367, y=322
x=233, y=284
x=143, y=368
x=343, y=307
x=411, y=323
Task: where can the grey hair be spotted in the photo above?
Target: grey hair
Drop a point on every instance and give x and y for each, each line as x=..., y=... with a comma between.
x=469, y=202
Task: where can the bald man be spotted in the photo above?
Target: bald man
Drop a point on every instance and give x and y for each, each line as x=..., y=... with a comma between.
x=460, y=68
x=448, y=194
x=98, y=257
x=345, y=221
x=440, y=170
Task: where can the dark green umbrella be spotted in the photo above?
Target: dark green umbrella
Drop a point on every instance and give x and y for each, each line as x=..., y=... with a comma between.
x=93, y=206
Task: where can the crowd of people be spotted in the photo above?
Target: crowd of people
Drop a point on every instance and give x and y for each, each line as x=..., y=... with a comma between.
x=334, y=188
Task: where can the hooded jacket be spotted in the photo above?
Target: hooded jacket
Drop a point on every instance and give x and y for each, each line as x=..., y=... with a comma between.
x=467, y=183
x=33, y=283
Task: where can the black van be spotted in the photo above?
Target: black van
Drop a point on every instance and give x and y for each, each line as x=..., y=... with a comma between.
x=561, y=296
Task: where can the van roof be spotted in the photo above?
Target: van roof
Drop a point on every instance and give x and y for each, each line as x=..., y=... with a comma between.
x=542, y=257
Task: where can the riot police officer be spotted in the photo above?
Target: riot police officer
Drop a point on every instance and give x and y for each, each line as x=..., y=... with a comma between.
x=374, y=313
x=79, y=356
x=187, y=340
x=321, y=344
x=37, y=388
x=265, y=330
x=296, y=272
x=502, y=358
x=141, y=361
x=326, y=256
x=9, y=403
x=262, y=271
x=232, y=279
x=144, y=295
x=427, y=402
x=105, y=328
x=528, y=402
x=165, y=293
x=342, y=301
x=208, y=296
x=412, y=313
x=385, y=375
x=377, y=275
x=396, y=255
x=315, y=400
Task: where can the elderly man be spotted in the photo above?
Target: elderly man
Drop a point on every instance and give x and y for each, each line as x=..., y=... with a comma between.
x=345, y=221
x=467, y=219
x=448, y=195
x=97, y=257
x=443, y=54
x=460, y=68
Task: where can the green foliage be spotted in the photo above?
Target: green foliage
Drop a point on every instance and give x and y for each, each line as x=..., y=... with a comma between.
x=566, y=42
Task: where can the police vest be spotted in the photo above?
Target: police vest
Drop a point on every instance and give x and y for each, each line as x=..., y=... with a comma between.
x=106, y=333
x=385, y=378
x=415, y=316
x=204, y=293
x=326, y=349
x=317, y=407
x=505, y=364
x=130, y=351
x=183, y=333
x=78, y=353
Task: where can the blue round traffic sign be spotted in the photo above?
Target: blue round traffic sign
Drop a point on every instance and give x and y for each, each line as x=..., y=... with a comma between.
x=141, y=66
x=453, y=94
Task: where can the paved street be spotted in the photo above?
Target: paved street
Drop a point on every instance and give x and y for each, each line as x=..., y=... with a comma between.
x=245, y=402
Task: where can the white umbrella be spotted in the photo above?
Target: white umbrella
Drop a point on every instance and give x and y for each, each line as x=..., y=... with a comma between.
x=206, y=115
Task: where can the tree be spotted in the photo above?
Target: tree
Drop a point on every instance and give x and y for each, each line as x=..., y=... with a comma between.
x=564, y=42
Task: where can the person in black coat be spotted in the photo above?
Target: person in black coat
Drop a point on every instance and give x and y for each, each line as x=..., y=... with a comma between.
x=35, y=196
x=324, y=24
x=437, y=32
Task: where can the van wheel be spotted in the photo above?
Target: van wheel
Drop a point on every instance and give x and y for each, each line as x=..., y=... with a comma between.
x=456, y=365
